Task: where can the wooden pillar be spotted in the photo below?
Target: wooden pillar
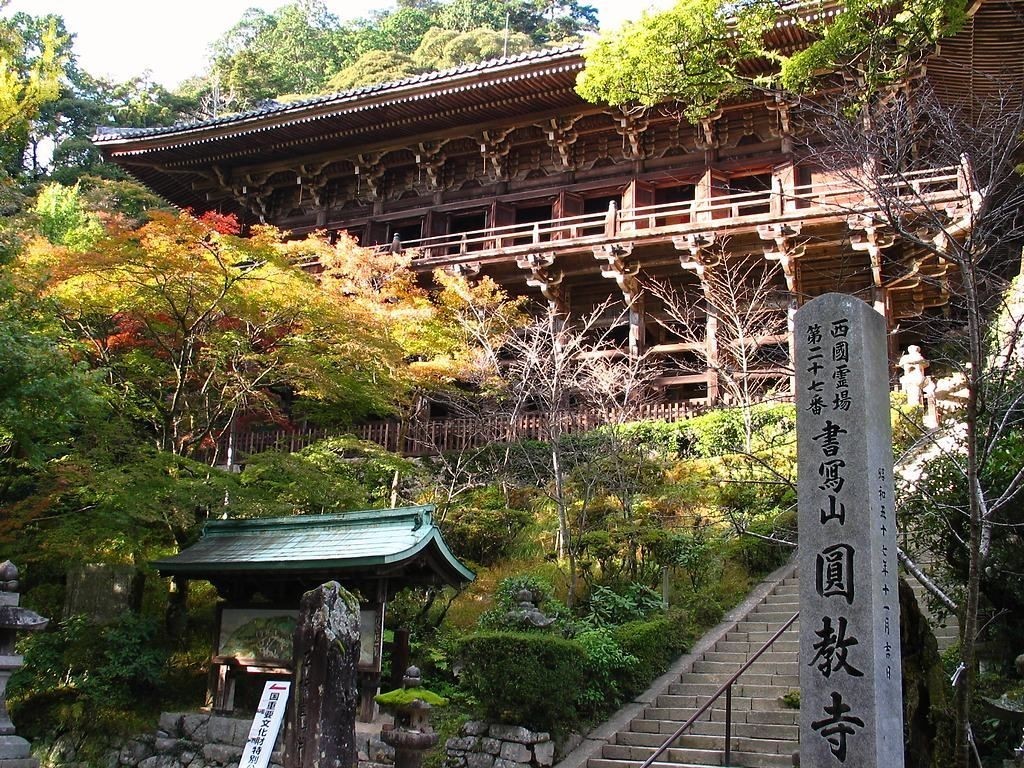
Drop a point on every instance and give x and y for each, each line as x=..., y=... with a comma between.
x=697, y=255
x=615, y=268
x=549, y=280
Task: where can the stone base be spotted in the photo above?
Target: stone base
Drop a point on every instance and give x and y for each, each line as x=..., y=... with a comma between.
x=14, y=748
x=21, y=762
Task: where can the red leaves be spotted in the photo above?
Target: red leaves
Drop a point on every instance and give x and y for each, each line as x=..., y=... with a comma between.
x=224, y=224
x=129, y=333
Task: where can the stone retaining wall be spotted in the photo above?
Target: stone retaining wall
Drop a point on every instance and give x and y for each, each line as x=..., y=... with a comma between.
x=198, y=740
x=480, y=745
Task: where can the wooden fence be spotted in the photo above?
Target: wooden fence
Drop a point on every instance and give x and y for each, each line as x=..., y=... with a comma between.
x=429, y=437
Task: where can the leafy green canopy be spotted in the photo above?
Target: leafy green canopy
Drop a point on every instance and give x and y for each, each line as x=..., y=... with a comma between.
x=29, y=72
x=691, y=53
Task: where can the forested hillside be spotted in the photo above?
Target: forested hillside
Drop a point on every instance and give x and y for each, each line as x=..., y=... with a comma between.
x=301, y=49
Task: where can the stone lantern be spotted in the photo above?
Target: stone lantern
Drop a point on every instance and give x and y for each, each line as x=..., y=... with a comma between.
x=14, y=750
x=412, y=734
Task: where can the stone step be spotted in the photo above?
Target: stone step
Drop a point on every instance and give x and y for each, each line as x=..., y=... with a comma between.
x=737, y=658
x=723, y=670
x=666, y=720
x=759, y=638
x=781, y=646
x=746, y=679
x=765, y=613
x=740, y=729
x=739, y=744
x=741, y=690
x=778, y=599
x=680, y=707
x=707, y=754
x=753, y=626
x=605, y=762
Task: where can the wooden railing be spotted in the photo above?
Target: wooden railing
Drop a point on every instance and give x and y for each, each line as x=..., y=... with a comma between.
x=915, y=189
x=432, y=436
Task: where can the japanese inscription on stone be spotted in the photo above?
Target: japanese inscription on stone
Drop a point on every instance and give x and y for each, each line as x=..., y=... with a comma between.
x=851, y=707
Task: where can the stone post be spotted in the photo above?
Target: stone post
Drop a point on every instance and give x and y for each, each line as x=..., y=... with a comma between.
x=15, y=751
x=914, y=378
x=321, y=731
x=851, y=703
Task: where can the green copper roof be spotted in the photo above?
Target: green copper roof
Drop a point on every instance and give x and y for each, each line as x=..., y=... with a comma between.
x=373, y=541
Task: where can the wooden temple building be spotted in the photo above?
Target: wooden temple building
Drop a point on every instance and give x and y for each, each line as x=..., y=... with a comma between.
x=501, y=169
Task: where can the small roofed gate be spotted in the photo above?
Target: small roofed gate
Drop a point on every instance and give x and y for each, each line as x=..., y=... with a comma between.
x=262, y=567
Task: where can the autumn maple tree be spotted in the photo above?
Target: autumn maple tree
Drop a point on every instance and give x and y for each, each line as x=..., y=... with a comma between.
x=195, y=326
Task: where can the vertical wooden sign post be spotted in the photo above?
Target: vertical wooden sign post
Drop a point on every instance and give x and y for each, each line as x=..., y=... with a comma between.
x=851, y=700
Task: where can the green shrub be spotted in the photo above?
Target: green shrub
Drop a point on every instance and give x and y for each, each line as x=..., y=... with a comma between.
x=716, y=433
x=610, y=607
x=655, y=644
x=610, y=671
x=704, y=609
x=525, y=679
x=758, y=555
x=483, y=528
x=81, y=677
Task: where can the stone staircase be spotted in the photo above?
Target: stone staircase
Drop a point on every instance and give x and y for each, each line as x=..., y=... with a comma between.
x=764, y=731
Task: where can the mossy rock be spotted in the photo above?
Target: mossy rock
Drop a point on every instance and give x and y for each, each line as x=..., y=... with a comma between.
x=403, y=697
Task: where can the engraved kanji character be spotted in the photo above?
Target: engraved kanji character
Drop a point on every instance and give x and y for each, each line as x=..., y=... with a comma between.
x=833, y=648
x=816, y=386
x=836, y=511
x=817, y=405
x=834, y=572
x=813, y=334
x=842, y=401
x=840, y=328
x=830, y=477
x=841, y=352
x=837, y=726
x=815, y=368
x=842, y=376
x=829, y=437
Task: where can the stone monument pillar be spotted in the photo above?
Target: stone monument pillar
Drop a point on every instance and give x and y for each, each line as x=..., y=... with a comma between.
x=322, y=712
x=14, y=750
x=851, y=703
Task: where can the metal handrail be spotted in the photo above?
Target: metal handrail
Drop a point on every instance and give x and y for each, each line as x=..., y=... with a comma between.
x=727, y=690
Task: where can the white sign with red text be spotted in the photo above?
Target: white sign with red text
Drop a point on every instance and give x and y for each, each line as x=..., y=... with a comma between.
x=266, y=725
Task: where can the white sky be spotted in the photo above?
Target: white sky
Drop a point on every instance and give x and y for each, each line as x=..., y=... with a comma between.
x=120, y=39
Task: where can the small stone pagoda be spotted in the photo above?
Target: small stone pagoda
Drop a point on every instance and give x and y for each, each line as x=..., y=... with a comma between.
x=15, y=751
